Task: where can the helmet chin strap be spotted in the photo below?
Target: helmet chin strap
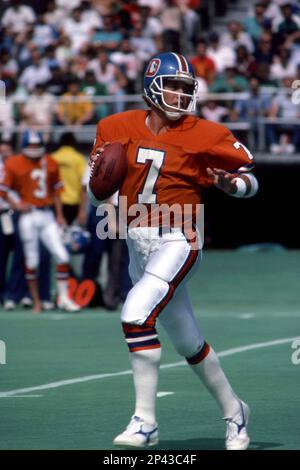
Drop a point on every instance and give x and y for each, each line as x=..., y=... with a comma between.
x=173, y=116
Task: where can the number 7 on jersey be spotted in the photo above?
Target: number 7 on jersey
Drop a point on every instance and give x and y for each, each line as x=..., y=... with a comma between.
x=148, y=195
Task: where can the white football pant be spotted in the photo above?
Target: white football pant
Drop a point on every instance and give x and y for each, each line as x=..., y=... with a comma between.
x=159, y=268
x=41, y=225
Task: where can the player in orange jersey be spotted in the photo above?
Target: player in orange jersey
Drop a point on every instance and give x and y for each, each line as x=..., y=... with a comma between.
x=34, y=176
x=172, y=155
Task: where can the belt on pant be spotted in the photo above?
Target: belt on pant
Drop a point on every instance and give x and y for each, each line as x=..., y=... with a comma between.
x=42, y=208
x=159, y=231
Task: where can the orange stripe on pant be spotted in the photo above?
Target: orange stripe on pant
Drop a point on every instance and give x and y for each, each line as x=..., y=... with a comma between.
x=187, y=266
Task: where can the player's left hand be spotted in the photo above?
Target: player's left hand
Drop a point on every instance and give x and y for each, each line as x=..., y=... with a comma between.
x=61, y=220
x=223, y=180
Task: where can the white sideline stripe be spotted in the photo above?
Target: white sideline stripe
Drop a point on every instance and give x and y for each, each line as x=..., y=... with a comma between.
x=62, y=383
x=164, y=394
x=23, y=396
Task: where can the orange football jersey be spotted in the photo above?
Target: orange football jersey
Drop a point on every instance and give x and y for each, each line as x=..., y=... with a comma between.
x=35, y=180
x=170, y=168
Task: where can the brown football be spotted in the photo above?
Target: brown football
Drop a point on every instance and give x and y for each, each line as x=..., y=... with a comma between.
x=108, y=171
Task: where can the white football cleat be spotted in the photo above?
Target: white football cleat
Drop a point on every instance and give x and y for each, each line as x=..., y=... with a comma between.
x=236, y=432
x=64, y=303
x=26, y=302
x=138, y=434
x=9, y=305
x=47, y=305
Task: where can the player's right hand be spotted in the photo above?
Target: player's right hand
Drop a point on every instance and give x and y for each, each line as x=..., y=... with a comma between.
x=22, y=207
x=97, y=152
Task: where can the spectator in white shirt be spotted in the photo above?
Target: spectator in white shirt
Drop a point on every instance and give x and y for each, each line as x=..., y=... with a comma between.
x=44, y=34
x=39, y=107
x=77, y=30
x=129, y=64
x=282, y=65
x=235, y=37
x=36, y=73
x=222, y=56
x=18, y=17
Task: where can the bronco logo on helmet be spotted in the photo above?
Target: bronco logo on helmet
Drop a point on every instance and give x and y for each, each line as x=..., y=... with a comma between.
x=152, y=68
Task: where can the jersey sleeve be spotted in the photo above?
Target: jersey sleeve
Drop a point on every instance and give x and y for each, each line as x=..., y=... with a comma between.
x=99, y=139
x=230, y=155
x=112, y=129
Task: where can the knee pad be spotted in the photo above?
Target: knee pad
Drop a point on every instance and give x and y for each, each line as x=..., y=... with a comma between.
x=146, y=300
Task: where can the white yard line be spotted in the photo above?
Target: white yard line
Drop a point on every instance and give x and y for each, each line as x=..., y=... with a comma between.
x=88, y=378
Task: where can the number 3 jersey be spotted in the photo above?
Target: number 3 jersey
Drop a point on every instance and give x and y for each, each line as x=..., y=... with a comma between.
x=170, y=168
x=35, y=180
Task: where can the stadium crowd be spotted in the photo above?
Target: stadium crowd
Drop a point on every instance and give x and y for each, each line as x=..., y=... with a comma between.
x=59, y=59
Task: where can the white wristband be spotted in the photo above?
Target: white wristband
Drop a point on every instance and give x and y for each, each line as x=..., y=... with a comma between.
x=241, y=188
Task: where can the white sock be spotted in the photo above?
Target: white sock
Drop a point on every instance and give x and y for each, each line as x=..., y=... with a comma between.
x=145, y=367
x=210, y=372
x=62, y=288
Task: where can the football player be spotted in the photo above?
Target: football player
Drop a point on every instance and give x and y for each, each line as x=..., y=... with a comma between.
x=171, y=156
x=34, y=176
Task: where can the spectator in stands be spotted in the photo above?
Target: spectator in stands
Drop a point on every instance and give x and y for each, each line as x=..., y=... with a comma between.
x=72, y=167
x=126, y=59
x=73, y=109
x=282, y=65
x=229, y=82
x=58, y=83
x=204, y=67
x=8, y=65
x=109, y=36
x=18, y=17
x=222, y=56
x=50, y=57
x=272, y=11
x=256, y=105
x=37, y=72
x=144, y=46
x=172, y=24
x=77, y=30
x=289, y=25
x=78, y=65
x=44, y=34
x=235, y=37
x=54, y=16
x=213, y=111
x=38, y=110
x=256, y=24
x=152, y=26
x=64, y=52
x=92, y=88
x=264, y=49
x=110, y=75
x=245, y=64
x=285, y=136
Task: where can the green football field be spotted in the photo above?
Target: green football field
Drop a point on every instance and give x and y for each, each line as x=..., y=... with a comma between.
x=66, y=383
